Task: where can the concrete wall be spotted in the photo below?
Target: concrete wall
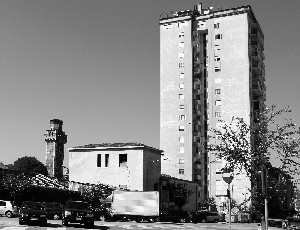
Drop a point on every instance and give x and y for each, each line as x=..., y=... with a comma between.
x=234, y=82
x=83, y=168
x=170, y=103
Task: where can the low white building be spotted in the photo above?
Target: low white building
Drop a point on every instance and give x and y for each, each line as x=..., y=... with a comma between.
x=131, y=166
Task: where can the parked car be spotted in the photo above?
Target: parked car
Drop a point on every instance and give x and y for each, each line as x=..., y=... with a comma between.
x=8, y=209
x=274, y=222
x=32, y=212
x=205, y=216
x=53, y=210
x=77, y=212
x=175, y=216
x=291, y=223
x=102, y=213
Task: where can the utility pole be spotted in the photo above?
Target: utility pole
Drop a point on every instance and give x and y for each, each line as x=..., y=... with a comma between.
x=228, y=177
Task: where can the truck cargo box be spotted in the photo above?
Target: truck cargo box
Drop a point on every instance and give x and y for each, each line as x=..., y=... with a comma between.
x=132, y=203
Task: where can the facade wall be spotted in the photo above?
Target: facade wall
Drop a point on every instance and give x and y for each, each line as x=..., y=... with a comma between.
x=224, y=78
x=83, y=168
x=233, y=100
x=176, y=91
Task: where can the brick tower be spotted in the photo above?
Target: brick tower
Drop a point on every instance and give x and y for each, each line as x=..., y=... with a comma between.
x=55, y=139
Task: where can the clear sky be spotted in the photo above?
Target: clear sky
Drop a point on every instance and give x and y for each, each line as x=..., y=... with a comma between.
x=95, y=65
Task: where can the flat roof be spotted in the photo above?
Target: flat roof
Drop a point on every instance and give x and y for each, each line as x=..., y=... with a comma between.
x=103, y=146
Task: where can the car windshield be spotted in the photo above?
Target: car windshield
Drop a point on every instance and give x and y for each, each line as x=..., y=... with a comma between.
x=77, y=205
x=52, y=205
x=32, y=205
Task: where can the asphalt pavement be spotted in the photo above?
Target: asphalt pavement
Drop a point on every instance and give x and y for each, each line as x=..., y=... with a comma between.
x=12, y=224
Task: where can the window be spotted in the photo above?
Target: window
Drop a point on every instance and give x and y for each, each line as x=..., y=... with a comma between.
x=218, y=80
x=181, y=55
x=216, y=25
x=181, y=86
x=181, y=139
x=123, y=160
x=181, y=117
x=217, y=59
x=217, y=91
x=168, y=26
x=181, y=171
x=181, y=65
x=181, y=107
x=218, y=102
x=217, y=67
x=181, y=96
x=181, y=45
x=217, y=114
x=181, y=161
x=218, y=36
x=181, y=75
x=99, y=160
x=182, y=24
x=181, y=150
x=181, y=34
x=181, y=127
x=106, y=160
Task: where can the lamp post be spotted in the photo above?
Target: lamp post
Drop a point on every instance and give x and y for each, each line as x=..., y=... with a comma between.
x=264, y=179
x=228, y=177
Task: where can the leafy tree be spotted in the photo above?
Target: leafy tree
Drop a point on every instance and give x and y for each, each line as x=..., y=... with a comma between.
x=178, y=193
x=29, y=166
x=95, y=194
x=207, y=203
x=16, y=183
x=269, y=135
x=249, y=147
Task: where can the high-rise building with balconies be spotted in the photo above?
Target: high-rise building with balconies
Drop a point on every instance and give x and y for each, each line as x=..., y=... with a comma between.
x=211, y=69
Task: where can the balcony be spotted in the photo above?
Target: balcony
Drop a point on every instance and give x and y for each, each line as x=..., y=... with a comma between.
x=196, y=70
x=256, y=41
x=256, y=67
x=256, y=88
x=256, y=56
x=197, y=91
x=197, y=81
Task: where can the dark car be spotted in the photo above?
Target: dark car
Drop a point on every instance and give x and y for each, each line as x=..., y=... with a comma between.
x=274, y=222
x=77, y=212
x=205, y=216
x=32, y=212
x=53, y=210
x=291, y=223
x=175, y=216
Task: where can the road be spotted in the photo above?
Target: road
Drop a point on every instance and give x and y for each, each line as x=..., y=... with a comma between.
x=12, y=223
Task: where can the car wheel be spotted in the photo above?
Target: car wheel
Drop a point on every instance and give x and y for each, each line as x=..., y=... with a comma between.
x=157, y=219
x=203, y=221
x=44, y=223
x=89, y=224
x=139, y=220
x=21, y=222
x=102, y=218
x=64, y=223
x=9, y=214
x=182, y=220
x=55, y=217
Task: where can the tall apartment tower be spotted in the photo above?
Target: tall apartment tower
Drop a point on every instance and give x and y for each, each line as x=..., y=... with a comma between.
x=211, y=69
x=55, y=139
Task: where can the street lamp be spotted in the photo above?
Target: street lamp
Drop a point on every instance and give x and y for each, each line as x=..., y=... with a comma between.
x=228, y=177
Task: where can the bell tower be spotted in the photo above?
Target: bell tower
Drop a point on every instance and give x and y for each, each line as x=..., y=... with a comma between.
x=55, y=139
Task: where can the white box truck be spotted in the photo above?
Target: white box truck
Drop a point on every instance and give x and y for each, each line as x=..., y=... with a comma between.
x=134, y=205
